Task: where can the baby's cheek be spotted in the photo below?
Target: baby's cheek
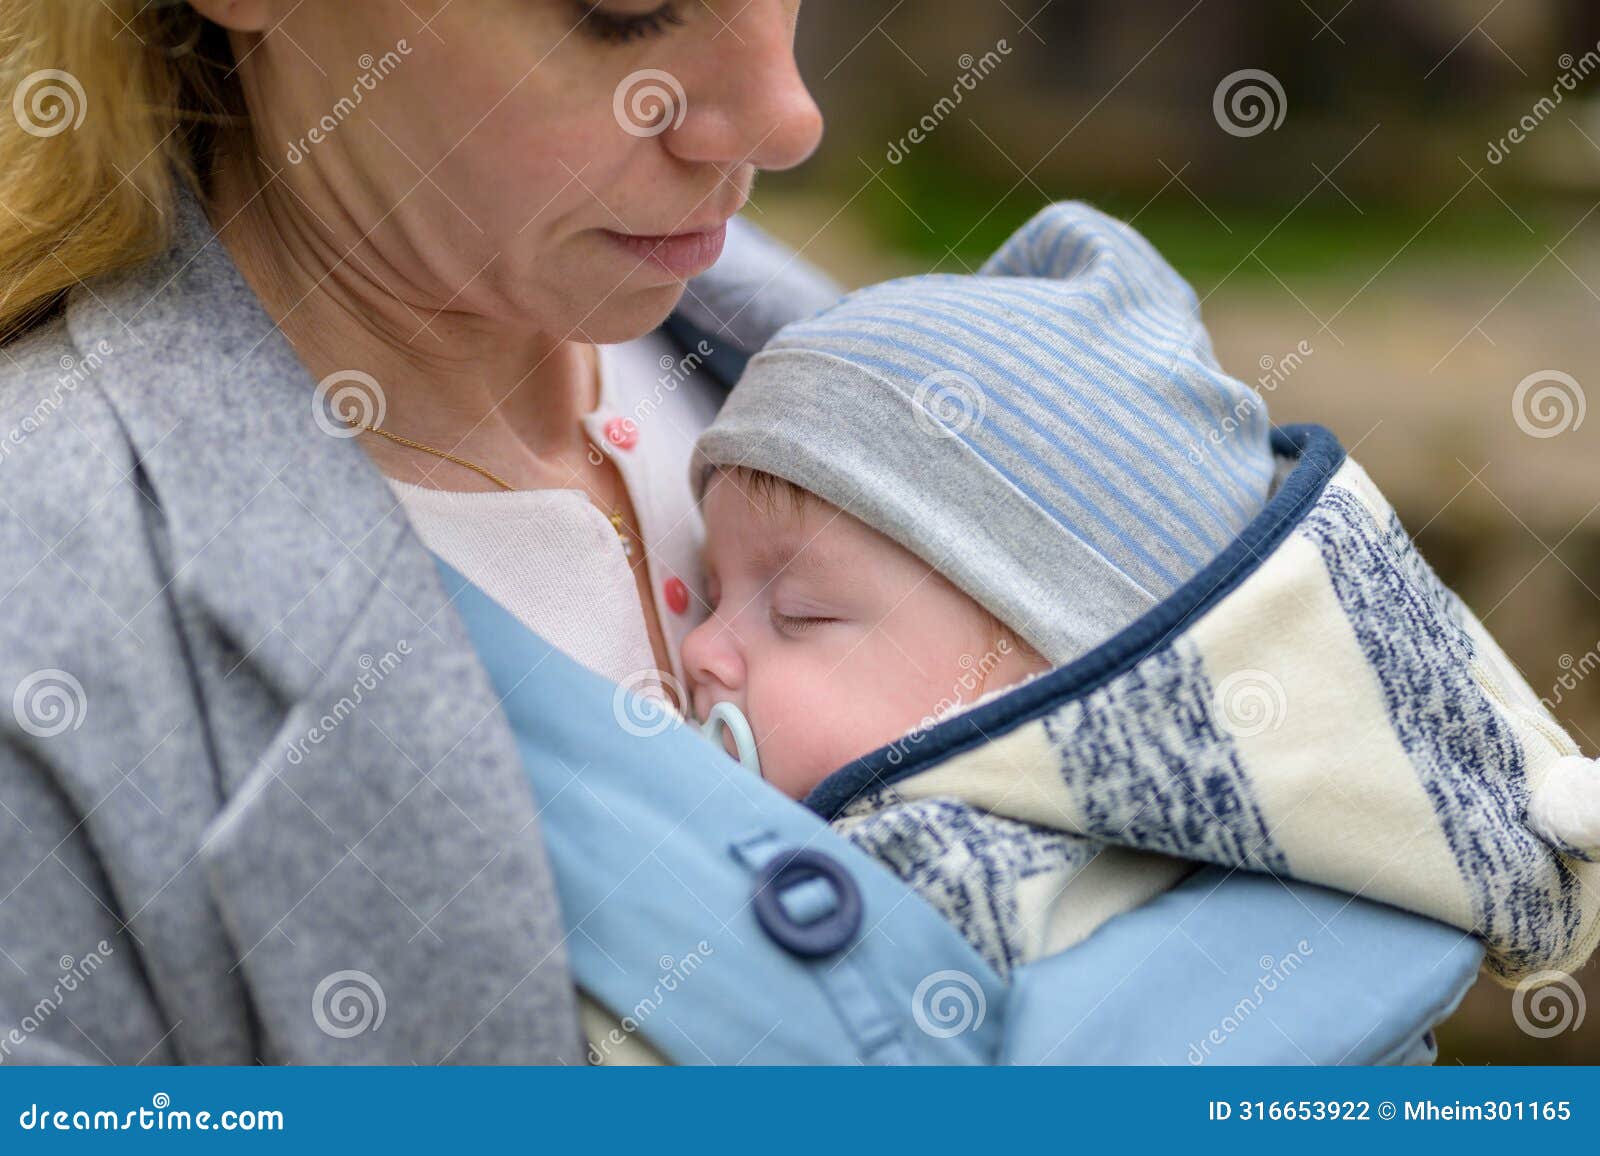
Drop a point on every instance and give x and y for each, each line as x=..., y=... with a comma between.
x=821, y=725
x=805, y=742
x=806, y=730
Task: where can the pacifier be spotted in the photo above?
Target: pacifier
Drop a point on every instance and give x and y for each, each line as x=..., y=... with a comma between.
x=726, y=714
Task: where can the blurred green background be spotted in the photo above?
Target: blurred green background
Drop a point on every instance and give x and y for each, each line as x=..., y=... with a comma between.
x=1389, y=220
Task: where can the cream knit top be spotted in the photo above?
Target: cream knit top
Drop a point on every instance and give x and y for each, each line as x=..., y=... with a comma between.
x=552, y=557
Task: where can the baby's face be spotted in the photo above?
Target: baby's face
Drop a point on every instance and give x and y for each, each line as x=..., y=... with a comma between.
x=832, y=639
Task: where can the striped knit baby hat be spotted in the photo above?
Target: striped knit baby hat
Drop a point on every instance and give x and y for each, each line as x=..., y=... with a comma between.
x=1053, y=434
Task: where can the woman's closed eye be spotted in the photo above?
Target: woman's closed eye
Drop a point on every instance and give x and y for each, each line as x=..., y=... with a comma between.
x=607, y=23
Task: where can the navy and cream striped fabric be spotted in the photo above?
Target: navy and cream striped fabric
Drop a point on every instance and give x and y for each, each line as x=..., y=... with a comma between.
x=1075, y=374
x=1336, y=716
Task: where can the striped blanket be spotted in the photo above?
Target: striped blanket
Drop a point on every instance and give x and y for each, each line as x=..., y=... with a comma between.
x=1322, y=709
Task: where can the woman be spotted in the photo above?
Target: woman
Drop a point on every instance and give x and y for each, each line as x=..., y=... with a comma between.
x=294, y=296
x=291, y=291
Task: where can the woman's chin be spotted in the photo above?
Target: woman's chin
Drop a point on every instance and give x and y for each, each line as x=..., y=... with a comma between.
x=629, y=313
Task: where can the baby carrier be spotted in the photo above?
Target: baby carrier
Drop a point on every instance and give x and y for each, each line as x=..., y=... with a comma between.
x=1383, y=804
x=728, y=924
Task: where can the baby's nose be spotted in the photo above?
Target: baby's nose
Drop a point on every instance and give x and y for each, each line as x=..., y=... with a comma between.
x=711, y=661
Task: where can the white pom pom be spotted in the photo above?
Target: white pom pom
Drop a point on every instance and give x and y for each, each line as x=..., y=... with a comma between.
x=1565, y=810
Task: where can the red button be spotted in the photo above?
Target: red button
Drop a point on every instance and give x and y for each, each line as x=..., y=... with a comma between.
x=677, y=595
x=622, y=433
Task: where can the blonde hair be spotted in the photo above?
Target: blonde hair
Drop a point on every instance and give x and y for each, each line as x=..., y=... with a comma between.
x=113, y=101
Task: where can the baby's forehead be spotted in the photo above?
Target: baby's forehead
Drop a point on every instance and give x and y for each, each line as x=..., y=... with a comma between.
x=809, y=543
x=772, y=534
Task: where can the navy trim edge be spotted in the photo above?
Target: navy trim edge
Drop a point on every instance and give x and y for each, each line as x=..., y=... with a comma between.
x=1320, y=456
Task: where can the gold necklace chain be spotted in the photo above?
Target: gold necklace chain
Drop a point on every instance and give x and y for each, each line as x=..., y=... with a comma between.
x=449, y=457
x=618, y=523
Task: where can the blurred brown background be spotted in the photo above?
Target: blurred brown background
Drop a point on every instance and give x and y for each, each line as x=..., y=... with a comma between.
x=1391, y=221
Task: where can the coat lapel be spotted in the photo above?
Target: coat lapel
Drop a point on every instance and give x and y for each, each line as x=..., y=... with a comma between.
x=377, y=840
x=276, y=527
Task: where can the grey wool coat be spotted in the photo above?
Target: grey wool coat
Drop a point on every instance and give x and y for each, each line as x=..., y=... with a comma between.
x=257, y=800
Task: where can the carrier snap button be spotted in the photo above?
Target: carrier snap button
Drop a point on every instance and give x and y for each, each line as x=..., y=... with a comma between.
x=807, y=903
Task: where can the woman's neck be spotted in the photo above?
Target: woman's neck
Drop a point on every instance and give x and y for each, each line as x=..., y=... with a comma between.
x=488, y=391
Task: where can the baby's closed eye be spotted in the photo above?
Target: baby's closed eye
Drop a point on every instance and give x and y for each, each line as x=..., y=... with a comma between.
x=799, y=623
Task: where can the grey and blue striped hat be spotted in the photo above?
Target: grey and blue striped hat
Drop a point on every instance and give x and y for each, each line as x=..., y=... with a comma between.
x=1052, y=434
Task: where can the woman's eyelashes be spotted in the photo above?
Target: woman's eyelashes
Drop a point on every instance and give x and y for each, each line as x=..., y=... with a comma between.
x=621, y=27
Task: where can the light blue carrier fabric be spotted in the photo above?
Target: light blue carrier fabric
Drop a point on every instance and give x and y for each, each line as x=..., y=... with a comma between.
x=657, y=841
x=1238, y=968
x=656, y=838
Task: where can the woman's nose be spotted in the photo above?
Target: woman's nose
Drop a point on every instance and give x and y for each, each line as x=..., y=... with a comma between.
x=751, y=106
x=711, y=660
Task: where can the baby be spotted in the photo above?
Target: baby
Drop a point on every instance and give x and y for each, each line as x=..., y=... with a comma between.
x=837, y=639
x=942, y=486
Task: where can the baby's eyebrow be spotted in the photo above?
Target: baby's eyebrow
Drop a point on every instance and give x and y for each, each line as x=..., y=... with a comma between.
x=789, y=554
x=773, y=556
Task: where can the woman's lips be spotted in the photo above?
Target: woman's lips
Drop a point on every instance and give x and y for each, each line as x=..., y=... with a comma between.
x=681, y=254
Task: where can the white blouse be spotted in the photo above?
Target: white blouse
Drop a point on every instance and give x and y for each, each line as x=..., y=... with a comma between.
x=553, y=558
